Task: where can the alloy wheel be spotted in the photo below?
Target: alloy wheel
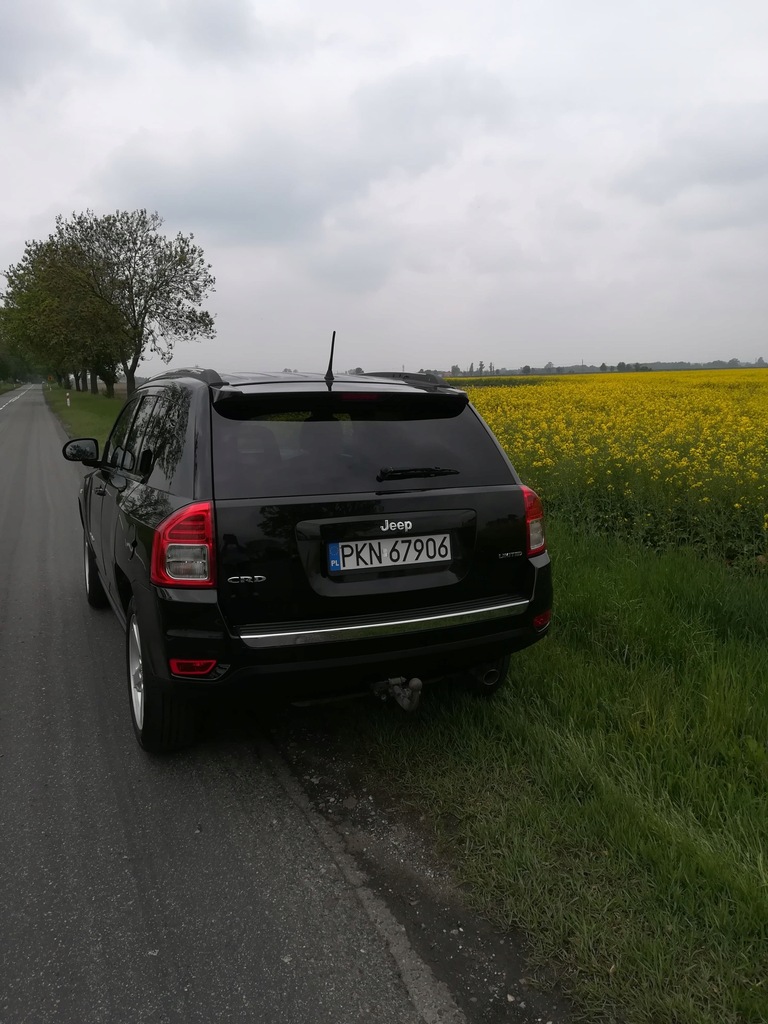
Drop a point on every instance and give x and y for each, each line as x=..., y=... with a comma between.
x=136, y=672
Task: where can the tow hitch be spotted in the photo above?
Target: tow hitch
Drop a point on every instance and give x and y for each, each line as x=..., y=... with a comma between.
x=405, y=692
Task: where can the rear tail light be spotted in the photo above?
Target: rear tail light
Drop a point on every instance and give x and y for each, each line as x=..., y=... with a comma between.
x=534, y=522
x=183, y=553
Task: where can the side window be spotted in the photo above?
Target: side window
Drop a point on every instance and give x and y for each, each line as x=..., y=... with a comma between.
x=131, y=457
x=115, y=446
x=167, y=454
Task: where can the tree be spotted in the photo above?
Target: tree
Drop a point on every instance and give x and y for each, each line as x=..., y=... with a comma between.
x=603, y=368
x=480, y=367
x=145, y=289
x=156, y=284
x=455, y=370
x=49, y=318
x=12, y=365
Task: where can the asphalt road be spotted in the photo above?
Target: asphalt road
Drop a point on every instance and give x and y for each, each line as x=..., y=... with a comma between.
x=200, y=887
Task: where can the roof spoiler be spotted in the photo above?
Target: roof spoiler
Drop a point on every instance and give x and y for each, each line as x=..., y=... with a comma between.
x=196, y=372
x=423, y=377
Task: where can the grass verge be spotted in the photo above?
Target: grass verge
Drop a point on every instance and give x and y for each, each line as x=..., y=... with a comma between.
x=613, y=801
x=87, y=415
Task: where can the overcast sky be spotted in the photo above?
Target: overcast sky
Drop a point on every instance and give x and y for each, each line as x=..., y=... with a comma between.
x=513, y=181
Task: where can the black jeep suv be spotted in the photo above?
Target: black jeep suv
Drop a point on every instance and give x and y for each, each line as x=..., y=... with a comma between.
x=306, y=537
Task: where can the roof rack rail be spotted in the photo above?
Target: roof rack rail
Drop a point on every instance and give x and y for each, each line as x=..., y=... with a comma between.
x=205, y=375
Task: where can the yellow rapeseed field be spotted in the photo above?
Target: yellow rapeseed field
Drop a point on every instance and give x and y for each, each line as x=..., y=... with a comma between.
x=668, y=458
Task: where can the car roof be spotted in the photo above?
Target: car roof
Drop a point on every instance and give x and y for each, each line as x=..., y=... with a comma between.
x=306, y=382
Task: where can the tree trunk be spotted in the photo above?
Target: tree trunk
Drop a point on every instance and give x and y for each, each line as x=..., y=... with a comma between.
x=76, y=375
x=94, y=382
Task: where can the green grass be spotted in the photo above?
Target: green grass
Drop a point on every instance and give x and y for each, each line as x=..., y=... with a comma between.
x=613, y=801
x=87, y=415
x=6, y=386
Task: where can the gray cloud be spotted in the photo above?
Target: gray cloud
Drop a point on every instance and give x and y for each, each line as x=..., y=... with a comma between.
x=34, y=37
x=217, y=32
x=358, y=266
x=276, y=185
x=268, y=191
x=741, y=208
x=718, y=150
x=432, y=107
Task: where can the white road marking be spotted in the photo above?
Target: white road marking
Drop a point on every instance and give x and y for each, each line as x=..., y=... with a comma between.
x=15, y=398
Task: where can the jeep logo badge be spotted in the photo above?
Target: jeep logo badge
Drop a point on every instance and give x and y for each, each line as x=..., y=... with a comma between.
x=390, y=524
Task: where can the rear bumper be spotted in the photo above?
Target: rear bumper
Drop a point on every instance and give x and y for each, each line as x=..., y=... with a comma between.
x=351, y=671
x=306, y=660
x=307, y=671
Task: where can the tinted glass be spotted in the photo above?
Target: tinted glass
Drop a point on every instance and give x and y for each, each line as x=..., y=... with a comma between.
x=323, y=451
x=115, y=446
x=167, y=453
x=130, y=460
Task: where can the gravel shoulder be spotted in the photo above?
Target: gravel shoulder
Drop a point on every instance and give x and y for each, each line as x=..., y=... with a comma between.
x=394, y=849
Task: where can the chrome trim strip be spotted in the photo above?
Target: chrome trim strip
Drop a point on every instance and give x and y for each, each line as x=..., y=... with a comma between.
x=393, y=627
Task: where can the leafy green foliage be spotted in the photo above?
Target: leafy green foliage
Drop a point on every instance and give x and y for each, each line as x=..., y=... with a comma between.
x=13, y=366
x=50, y=314
x=104, y=292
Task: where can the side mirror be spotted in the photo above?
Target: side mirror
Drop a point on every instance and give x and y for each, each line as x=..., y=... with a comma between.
x=82, y=449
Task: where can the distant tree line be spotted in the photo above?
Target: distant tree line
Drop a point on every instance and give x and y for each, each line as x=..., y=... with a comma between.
x=100, y=294
x=620, y=367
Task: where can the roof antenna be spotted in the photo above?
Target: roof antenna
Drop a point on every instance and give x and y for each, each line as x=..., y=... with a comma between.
x=329, y=378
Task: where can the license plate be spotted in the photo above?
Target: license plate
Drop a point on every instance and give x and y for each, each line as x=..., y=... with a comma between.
x=389, y=553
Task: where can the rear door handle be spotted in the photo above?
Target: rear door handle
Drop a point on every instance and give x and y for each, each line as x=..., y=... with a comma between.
x=101, y=489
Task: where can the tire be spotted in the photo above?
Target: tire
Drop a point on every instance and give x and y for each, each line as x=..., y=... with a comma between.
x=487, y=679
x=162, y=721
x=94, y=589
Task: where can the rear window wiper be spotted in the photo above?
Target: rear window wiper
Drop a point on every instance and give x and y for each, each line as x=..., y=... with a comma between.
x=390, y=473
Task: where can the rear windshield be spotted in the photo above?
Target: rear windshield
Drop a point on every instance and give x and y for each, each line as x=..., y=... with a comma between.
x=367, y=446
